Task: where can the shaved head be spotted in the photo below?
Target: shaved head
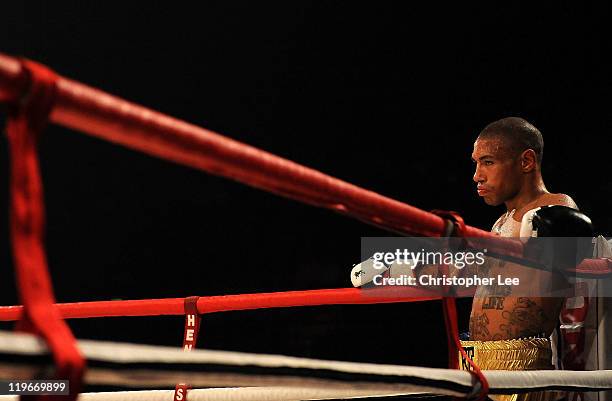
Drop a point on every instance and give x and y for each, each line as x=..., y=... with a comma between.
x=515, y=135
x=507, y=155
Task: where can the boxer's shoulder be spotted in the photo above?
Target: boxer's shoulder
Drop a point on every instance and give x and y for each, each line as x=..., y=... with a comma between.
x=546, y=200
x=557, y=199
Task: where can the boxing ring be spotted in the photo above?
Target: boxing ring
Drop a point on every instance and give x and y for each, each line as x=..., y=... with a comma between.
x=35, y=95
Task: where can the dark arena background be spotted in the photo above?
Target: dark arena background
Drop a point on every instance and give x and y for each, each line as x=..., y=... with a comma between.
x=386, y=97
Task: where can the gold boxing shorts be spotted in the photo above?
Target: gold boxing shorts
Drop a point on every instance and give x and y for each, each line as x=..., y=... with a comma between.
x=522, y=354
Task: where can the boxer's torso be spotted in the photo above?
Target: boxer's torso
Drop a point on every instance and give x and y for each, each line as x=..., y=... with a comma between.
x=497, y=314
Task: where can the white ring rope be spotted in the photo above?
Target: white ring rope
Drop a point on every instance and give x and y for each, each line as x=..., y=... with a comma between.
x=230, y=394
x=165, y=366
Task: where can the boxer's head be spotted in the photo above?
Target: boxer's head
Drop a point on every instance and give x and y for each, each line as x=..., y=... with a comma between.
x=508, y=155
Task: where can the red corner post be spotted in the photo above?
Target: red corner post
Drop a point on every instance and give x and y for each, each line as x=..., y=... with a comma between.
x=26, y=120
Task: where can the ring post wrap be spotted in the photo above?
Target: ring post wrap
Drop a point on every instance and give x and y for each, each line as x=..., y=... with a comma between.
x=190, y=338
x=26, y=120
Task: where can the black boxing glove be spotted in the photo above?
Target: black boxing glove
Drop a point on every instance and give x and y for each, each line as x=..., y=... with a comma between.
x=561, y=221
x=573, y=232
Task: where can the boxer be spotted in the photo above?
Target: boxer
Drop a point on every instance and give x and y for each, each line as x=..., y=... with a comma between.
x=510, y=332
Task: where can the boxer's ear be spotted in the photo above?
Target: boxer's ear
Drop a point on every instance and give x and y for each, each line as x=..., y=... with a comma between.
x=528, y=161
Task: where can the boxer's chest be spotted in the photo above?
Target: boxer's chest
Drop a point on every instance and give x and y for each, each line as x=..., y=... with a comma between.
x=506, y=226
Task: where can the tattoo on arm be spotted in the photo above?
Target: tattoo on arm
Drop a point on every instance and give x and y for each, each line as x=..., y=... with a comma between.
x=526, y=318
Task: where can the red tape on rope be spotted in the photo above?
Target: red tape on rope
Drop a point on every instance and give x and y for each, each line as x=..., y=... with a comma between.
x=25, y=123
x=190, y=338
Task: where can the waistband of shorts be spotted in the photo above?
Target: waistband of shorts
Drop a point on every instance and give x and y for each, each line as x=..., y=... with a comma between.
x=516, y=354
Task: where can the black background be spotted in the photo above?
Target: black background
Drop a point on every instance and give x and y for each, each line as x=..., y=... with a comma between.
x=384, y=95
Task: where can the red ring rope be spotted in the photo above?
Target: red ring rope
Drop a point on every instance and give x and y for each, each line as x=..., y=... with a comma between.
x=224, y=303
x=97, y=113
x=89, y=110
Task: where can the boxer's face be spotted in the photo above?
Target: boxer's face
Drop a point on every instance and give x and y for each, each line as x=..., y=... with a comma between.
x=497, y=172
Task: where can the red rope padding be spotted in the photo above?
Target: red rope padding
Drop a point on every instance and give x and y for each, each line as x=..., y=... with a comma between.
x=594, y=267
x=26, y=120
x=224, y=303
x=97, y=113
